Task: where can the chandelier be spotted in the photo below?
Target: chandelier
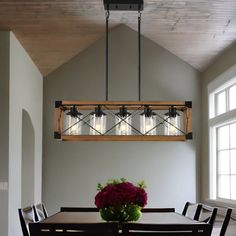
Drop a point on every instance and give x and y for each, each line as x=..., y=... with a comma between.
x=123, y=121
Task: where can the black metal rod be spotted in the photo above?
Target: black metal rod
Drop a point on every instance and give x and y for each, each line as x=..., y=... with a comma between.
x=107, y=45
x=139, y=56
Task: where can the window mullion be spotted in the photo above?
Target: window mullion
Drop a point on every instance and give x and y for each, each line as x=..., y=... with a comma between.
x=215, y=105
x=227, y=99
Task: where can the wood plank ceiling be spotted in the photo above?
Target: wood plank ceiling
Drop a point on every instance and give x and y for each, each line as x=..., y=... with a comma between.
x=53, y=31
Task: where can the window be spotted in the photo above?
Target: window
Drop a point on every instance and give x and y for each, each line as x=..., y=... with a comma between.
x=225, y=100
x=226, y=161
x=222, y=135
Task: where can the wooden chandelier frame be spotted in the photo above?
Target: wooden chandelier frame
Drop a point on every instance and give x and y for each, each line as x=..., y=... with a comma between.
x=62, y=106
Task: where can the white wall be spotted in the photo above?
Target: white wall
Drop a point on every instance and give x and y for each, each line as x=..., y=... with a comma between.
x=26, y=84
x=71, y=170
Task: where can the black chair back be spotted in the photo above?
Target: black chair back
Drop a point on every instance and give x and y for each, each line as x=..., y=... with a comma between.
x=226, y=222
x=26, y=216
x=140, y=229
x=208, y=215
x=222, y=221
x=40, y=212
x=56, y=229
x=192, y=210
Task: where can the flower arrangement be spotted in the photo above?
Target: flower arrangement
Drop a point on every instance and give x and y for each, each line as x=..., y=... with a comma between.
x=120, y=200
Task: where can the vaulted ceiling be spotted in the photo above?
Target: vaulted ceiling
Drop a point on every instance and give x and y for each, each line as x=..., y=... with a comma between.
x=53, y=31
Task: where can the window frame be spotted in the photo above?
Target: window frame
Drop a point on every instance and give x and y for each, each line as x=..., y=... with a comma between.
x=222, y=83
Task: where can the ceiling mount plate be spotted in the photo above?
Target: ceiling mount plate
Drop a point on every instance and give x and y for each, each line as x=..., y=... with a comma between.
x=123, y=5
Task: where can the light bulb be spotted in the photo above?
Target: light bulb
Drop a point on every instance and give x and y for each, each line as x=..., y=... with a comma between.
x=98, y=127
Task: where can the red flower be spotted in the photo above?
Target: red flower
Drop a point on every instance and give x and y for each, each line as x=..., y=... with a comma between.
x=119, y=194
x=128, y=192
x=115, y=198
x=100, y=200
x=141, y=197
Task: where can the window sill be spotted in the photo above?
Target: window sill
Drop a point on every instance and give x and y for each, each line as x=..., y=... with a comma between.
x=221, y=203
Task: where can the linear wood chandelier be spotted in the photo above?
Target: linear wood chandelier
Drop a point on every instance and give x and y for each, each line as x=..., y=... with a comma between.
x=123, y=121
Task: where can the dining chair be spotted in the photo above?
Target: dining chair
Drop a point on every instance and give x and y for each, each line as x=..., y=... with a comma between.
x=226, y=222
x=79, y=209
x=40, y=212
x=192, y=210
x=156, y=210
x=26, y=216
x=222, y=221
x=208, y=214
x=143, y=229
x=76, y=229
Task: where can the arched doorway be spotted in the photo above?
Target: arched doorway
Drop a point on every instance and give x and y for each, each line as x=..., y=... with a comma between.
x=28, y=160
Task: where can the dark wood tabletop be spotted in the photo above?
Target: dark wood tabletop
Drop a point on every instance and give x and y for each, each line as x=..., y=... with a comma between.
x=157, y=224
x=94, y=217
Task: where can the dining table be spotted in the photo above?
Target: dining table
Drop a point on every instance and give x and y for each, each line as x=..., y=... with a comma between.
x=151, y=223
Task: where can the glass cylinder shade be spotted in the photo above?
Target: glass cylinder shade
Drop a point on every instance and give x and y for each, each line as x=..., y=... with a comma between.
x=123, y=122
x=123, y=125
x=171, y=125
x=73, y=123
x=98, y=122
x=148, y=124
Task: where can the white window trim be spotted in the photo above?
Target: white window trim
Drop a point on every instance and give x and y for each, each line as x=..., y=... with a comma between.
x=223, y=81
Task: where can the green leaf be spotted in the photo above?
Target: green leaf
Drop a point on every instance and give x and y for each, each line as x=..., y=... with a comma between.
x=99, y=187
x=123, y=180
x=142, y=184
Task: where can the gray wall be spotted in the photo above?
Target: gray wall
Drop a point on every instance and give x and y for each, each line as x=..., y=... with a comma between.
x=71, y=170
x=28, y=160
x=4, y=127
x=223, y=63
